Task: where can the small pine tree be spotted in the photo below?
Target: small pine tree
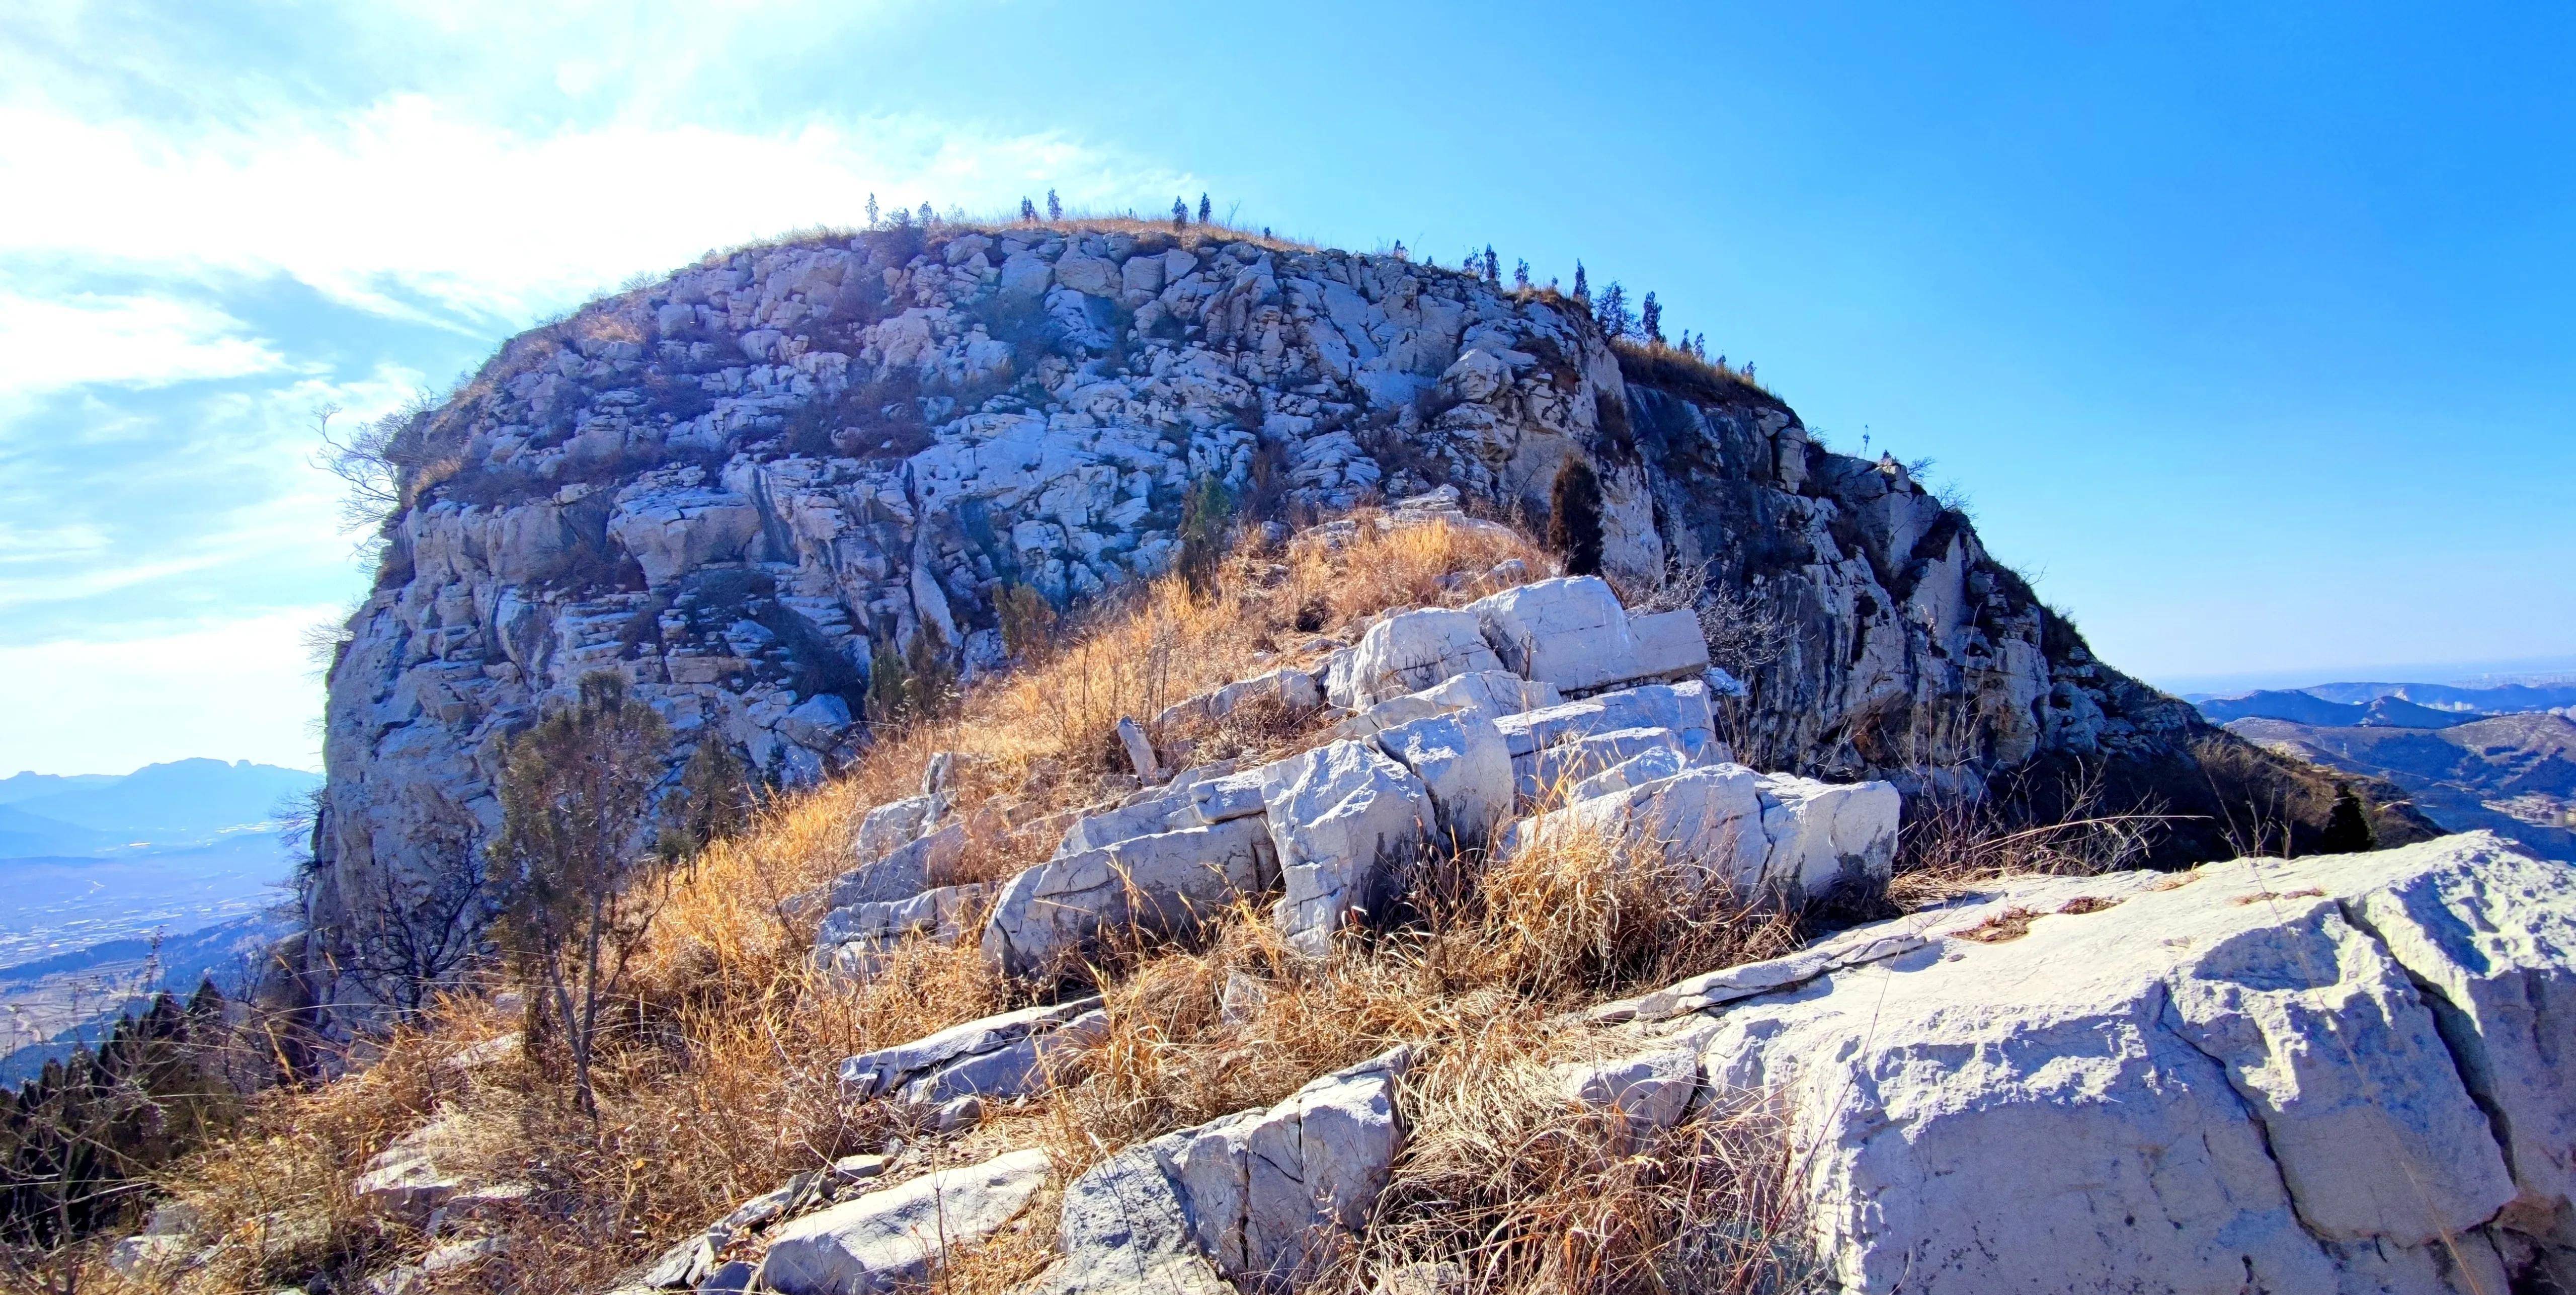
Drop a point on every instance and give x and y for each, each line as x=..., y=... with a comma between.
x=1612, y=312
x=889, y=688
x=903, y=217
x=930, y=687
x=576, y=800
x=1180, y=214
x=1055, y=209
x=1574, y=518
x=2347, y=829
x=1650, y=319
x=872, y=211
x=928, y=217
x=1028, y=212
x=1493, y=265
x=1028, y=622
x=1203, y=209
x=1204, y=519
x=713, y=801
x=1582, y=285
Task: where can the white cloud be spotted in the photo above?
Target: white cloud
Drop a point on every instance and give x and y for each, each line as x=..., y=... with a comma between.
x=49, y=344
x=414, y=203
x=238, y=690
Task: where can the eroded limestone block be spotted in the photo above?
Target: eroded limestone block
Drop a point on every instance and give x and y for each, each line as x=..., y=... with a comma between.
x=898, y=1236
x=1344, y=820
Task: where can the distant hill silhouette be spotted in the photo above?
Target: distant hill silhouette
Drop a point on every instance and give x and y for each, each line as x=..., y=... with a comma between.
x=180, y=802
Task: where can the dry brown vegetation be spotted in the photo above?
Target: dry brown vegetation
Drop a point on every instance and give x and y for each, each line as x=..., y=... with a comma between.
x=717, y=1079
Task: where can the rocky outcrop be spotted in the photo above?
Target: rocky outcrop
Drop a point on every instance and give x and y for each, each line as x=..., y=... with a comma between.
x=1336, y=827
x=2330, y=1074
x=1260, y=1198
x=893, y=1239
x=737, y=485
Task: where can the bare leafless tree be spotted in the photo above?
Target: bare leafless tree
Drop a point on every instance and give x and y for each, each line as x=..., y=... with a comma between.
x=407, y=942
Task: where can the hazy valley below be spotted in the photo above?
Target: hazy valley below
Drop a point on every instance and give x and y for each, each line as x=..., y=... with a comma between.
x=2495, y=756
x=121, y=885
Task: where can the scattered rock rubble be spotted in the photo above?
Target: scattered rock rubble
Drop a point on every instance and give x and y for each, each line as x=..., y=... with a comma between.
x=1444, y=748
x=2341, y=1073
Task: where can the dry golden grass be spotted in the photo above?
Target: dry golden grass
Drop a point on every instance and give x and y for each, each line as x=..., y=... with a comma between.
x=1512, y=1187
x=718, y=1079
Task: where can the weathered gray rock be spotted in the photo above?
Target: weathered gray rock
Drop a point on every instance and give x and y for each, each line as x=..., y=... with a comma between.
x=1162, y=884
x=909, y=869
x=1560, y=771
x=1572, y=632
x=1465, y=767
x=1683, y=708
x=1344, y=819
x=405, y=1180
x=1259, y=1197
x=924, y=1061
x=1296, y=692
x=897, y=823
x=852, y=939
x=2337, y=1073
x=1125, y=1231
x=899, y=1235
x=1647, y=1093
x=1407, y=652
x=1269, y=1191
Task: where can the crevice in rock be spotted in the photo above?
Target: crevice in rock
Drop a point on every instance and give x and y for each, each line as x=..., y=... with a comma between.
x=2459, y=1037
x=2168, y=1019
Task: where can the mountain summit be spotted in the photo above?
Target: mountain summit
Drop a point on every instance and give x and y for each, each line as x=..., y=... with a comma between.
x=746, y=485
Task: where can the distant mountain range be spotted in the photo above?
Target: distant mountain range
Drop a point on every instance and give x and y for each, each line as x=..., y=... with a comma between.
x=181, y=803
x=2500, y=757
x=2395, y=705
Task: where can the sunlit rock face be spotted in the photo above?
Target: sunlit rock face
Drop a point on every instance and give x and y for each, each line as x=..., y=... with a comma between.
x=733, y=485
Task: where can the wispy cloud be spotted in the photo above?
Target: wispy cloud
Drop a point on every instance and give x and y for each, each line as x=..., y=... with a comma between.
x=48, y=344
x=417, y=208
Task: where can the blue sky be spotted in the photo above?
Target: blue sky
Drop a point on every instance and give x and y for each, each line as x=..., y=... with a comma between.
x=2246, y=329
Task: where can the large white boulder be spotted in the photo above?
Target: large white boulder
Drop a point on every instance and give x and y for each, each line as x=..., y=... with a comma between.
x=1707, y=822
x=1826, y=834
x=896, y=1237
x=1344, y=819
x=2339, y=1073
x=1407, y=652
x=1161, y=884
x=1269, y=1191
x=1464, y=765
x=1572, y=632
x=1771, y=836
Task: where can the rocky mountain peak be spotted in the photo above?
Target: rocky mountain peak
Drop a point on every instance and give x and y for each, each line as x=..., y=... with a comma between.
x=738, y=484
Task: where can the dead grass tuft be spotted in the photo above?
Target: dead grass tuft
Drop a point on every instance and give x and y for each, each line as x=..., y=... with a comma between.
x=2010, y=924
x=1511, y=1186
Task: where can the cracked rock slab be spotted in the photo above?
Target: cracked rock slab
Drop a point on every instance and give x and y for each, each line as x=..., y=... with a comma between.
x=2329, y=1074
x=896, y=1237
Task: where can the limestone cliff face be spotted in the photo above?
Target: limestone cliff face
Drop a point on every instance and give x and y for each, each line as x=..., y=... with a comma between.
x=733, y=484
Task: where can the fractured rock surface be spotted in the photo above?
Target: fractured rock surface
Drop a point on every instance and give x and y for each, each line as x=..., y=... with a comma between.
x=2330, y=1074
